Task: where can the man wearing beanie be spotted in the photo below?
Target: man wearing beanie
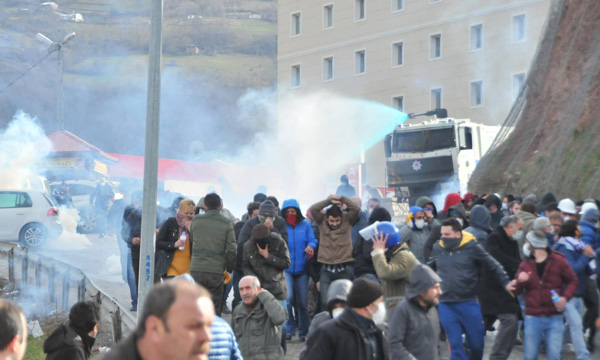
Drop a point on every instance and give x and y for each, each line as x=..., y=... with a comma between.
x=266, y=256
x=541, y=274
x=335, y=243
x=354, y=334
x=458, y=259
x=414, y=327
x=267, y=216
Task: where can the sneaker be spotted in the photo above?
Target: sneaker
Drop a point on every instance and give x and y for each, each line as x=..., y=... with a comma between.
x=133, y=309
x=302, y=339
x=288, y=337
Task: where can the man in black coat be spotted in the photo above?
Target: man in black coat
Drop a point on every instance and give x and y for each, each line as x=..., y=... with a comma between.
x=495, y=302
x=353, y=335
x=74, y=341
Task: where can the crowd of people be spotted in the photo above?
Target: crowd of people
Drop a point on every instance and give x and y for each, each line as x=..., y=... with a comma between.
x=522, y=267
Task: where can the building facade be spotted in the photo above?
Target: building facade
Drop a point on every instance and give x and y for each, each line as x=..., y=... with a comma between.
x=468, y=56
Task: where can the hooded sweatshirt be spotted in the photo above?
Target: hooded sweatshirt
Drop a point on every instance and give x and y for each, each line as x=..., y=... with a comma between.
x=498, y=215
x=414, y=330
x=479, y=223
x=459, y=265
x=66, y=343
x=414, y=237
x=300, y=235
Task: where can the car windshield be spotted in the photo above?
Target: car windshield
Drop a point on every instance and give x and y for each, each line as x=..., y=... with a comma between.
x=424, y=140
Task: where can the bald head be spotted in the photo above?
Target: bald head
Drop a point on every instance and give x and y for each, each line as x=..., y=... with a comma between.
x=13, y=331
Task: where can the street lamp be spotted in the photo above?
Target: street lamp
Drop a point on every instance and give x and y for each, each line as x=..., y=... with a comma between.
x=57, y=46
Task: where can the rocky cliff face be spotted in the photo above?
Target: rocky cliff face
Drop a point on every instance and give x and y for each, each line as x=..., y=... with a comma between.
x=555, y=144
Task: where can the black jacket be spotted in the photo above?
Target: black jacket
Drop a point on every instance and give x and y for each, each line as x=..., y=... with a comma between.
x=124, y=349
x=342, y=339
x=363, y=262
x=165, y=240
x=460, y=268
x=65, y=343
x=494, y=299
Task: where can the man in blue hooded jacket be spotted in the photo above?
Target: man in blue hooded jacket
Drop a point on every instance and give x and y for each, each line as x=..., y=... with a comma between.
x=301, y=244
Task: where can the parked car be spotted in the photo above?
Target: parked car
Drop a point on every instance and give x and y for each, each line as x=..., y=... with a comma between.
x=80, y=192
x=28, y=216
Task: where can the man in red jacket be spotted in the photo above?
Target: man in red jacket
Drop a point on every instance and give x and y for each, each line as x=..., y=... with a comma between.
x=541, y=274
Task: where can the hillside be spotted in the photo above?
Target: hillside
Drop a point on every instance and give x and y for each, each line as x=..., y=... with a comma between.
x=555, y=145
x=214, y=51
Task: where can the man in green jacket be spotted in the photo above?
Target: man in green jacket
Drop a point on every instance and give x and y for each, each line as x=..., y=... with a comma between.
x=257, y=322
x=214, y=250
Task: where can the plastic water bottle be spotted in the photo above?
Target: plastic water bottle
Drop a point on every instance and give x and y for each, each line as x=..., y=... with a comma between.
x=183, y=237
x=554, y=295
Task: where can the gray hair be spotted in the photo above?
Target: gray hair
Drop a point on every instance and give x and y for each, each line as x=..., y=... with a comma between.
x=255, y=281
x=509, y=220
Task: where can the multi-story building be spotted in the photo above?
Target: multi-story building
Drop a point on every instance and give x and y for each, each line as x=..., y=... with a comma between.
x=468, y=56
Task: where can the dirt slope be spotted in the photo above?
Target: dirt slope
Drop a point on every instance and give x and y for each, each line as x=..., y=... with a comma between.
x=555, y=145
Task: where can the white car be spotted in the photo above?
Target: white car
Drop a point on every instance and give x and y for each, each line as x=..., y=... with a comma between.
x=28, y=216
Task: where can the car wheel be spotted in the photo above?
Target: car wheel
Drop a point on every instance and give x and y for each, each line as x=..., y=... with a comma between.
x=33, y=235
x=88, y=222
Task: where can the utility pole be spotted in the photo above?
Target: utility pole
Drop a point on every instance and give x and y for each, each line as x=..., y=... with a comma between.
x=146, y=276
x=57, y=47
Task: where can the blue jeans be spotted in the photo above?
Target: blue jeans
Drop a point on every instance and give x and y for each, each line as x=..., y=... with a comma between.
x=131, y=280
x=574, y=316
x=297, y=286
x=551, y=328
x=463, y=317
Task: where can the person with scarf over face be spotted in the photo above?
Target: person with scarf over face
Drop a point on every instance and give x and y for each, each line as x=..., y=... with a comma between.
x=416, y=232
x=453, y=207
x=494, y=206
x=169, y=240
x=458, y=260
x=301, y=245
x=363, y=263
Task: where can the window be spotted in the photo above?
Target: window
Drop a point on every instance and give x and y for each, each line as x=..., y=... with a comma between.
x=295, y=76
x=398, y=54
x=476, y=93
x=476, y=37
x=359, y=62
x=12, y=199
x=436, y=99
x=328, y=68
x=398, y=103
x=328, y=16
x=518, y=80
x=397, y=5
x=519, y=28
x=435, y=46
x=296, y=24
x=359, y=10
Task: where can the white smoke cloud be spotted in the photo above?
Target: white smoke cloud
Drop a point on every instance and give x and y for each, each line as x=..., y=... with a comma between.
x=23, y=147
x=304, y=142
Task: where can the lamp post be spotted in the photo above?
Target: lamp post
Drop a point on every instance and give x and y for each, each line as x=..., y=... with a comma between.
x=57, y=47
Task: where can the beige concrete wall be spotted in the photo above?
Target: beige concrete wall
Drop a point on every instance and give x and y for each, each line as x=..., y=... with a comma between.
x=495, y=64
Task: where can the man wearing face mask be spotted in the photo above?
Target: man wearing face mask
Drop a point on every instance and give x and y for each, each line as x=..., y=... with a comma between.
x=266, y=256
x=335, y=244
x=430, y=210
x=458, y=260
x=336, y=295
x=414, y=327
x=453, y=208
x=355, y=333
x=416, y=232
x=214, y=249
x=496, y=303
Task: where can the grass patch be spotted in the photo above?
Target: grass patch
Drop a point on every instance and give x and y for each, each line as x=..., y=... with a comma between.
x=255, y=27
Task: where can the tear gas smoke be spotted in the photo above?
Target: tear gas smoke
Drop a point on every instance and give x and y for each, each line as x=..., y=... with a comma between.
x=23, y=149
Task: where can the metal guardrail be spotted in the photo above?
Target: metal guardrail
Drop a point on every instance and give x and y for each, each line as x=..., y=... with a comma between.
x=74, y=283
